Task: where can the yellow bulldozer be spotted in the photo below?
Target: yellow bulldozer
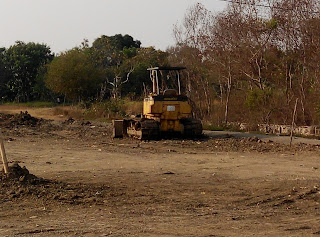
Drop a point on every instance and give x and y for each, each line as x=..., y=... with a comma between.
x=166, y=112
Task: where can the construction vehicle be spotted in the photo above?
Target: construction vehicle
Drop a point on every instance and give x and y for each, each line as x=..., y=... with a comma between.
x=166, y=112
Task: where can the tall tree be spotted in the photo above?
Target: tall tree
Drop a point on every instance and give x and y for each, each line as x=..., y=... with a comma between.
x=113, y=54
x=140, y=78
x=74, y=75
x=23, y=61
x=111, y=50
x=191, y=52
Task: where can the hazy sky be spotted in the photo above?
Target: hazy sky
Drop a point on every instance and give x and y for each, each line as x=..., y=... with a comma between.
x=63, y=24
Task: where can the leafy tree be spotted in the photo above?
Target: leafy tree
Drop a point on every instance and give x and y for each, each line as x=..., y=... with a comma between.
x=131, y=76
x=118, y=42
x=23, y=60
x=40, y=90
x=114, y=54
x=140, y=78
x=112, y=50
x=4, y=76
x=121, y=42
x=74, y=75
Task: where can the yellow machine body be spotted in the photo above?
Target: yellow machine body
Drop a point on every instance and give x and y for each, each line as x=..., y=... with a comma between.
x=167, y=111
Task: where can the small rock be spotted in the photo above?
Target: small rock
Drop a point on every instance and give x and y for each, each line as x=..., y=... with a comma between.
x=170, y=150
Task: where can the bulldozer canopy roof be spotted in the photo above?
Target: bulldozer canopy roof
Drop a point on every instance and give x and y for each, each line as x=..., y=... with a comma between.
x=166, y=68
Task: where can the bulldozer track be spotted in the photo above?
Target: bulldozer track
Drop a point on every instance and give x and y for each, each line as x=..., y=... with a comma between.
x=143, y=129
x=192, y=127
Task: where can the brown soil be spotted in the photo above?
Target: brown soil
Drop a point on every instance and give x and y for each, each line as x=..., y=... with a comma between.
x=77, y=181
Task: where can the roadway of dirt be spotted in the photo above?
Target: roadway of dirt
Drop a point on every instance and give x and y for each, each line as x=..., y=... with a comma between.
x=86, y=184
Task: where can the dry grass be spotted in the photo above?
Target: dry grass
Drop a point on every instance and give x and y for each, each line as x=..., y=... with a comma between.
x=113, y=110
x=133, y=107
x=105, y=111
x=69, y=111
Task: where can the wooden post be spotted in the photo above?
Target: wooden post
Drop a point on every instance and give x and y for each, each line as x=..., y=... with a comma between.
x=293, y=120
x=4, y=157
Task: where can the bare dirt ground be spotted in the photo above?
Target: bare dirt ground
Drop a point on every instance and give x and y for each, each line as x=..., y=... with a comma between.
x=87, y=184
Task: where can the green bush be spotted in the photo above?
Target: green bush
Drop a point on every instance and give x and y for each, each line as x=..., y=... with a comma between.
x=258, y=98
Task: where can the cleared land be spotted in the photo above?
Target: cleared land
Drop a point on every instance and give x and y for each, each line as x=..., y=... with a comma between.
x=91, y=185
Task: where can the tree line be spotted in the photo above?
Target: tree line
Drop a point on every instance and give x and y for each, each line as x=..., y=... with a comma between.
x=248, y=63
x=112, y=67
x=252, y=61
x=21, y=71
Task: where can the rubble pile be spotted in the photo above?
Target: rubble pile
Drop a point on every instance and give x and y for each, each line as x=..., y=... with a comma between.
x=19, y=174
x=23, y=118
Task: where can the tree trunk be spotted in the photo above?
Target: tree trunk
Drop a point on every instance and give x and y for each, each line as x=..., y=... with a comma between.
x=226, y=113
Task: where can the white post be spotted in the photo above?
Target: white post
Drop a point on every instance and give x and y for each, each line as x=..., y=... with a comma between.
x=4, y=157
x=293, y=121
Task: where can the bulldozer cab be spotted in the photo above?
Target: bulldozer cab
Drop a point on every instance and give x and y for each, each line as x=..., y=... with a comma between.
x=166, y=81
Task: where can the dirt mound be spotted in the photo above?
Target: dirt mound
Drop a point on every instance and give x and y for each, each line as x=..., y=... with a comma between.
x=18, y=173
x=19, y=183
x=24, y=118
